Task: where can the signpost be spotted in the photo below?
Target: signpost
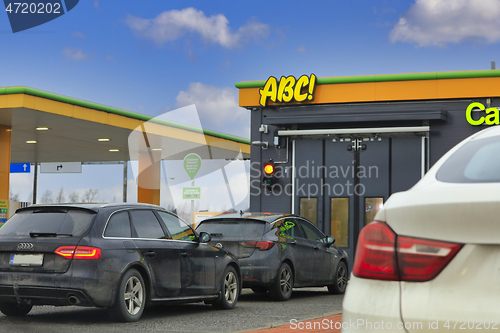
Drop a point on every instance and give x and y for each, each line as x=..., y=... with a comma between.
x=61, y=167
x=20, y=168
x=191, y=193
x=192, y=164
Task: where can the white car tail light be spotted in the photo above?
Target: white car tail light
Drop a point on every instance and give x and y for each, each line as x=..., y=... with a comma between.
x=375, y=254
x=422, y=260
x=383, y=255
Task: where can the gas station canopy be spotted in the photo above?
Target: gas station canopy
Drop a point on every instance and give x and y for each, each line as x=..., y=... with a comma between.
x=75, y=127
x=38, y=126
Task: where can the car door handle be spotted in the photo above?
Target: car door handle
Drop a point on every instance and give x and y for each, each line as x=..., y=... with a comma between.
x=184, y=254
x=150, y=253
x=316, y=248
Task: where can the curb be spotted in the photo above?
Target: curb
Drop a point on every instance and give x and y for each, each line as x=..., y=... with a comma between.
x=318, y=325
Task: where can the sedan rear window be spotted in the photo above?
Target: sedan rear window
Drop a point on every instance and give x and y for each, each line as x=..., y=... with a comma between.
x=51, y=222
x=478, y=161
x=232, y=228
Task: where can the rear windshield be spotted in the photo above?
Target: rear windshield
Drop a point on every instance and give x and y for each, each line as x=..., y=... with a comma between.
x=233, y=228
x=478, y=161
x=67, y=222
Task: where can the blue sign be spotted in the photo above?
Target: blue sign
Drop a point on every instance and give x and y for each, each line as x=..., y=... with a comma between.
x=20, y=168
x=31, y=13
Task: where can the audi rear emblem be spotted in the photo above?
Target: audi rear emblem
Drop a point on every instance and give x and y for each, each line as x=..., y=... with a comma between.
x=25, y=246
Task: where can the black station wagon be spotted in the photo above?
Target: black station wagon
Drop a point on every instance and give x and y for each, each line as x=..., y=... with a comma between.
x=279, y=252
x=118, y=256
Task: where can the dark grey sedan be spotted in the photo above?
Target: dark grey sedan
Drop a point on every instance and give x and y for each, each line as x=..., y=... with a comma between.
x=278, y=252
x=118, y=256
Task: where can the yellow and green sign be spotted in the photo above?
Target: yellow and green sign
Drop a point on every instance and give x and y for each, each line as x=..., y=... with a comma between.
x=192, y=164
x=492, y=116
x=288, y=89
x=4, y=211
x=191, y=193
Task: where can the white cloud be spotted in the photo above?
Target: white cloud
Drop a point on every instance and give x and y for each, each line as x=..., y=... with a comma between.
x=301, y=49
x=78, y=35
x=217, y=108
x=111, y=194
x=171, y=25
x=438, y=22
x=75, y=54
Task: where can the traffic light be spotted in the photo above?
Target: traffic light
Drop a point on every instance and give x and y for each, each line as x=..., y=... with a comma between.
x=269, y=178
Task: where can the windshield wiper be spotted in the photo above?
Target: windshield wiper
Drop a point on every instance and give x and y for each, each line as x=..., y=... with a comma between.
x=48, y=234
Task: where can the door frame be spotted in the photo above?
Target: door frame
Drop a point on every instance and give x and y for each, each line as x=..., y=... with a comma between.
x=323, y=134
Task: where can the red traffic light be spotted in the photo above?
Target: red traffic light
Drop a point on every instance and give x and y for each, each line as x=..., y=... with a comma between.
x=268, y=169
x=269, y=180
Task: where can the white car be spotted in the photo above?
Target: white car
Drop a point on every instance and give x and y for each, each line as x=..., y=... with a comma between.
x=430, y=262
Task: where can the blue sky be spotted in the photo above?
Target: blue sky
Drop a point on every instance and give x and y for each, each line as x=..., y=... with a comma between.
x=154, y=56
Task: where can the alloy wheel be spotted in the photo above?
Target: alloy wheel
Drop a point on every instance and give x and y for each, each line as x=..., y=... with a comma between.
x=230, y=287
x=342, y=277
x=134, y=295
x=285, y=281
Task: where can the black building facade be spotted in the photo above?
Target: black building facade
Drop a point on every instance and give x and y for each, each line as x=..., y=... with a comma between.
x=338, y=157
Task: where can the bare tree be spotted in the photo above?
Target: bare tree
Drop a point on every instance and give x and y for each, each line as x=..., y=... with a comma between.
x=89, y=195
x=14, y=197
x=171, y=208
x=73, y=197
x=47, y=197
x=60, y=196
x=184, y=211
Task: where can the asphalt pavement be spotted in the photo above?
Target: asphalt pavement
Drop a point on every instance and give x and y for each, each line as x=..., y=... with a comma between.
x=253, y=312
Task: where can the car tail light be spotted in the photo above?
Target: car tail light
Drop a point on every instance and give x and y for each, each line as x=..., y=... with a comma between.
x=375, y=253
x=423, y=260
x=383, y=255
x=262, y=245
x=78, y=252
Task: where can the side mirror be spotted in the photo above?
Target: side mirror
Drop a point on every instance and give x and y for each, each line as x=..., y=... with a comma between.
x=205, y=237
x=330, y=240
